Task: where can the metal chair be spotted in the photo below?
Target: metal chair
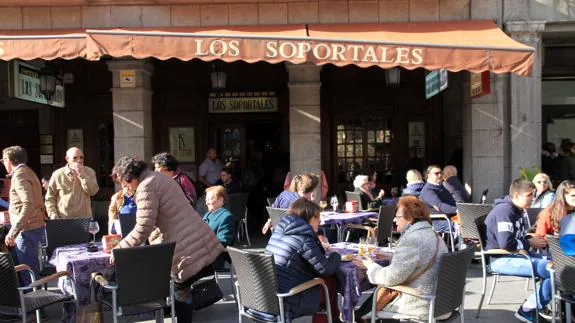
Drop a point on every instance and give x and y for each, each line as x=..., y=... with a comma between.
x=485, y=254
x=21, y=301
x=449, y=292
x=257, y=287
x=271, y=200
x=562, y=282
x=468, y=212
x=275, y=215
x=449, y=225
x=385, y=224
x=353, y=196
x=239, y=209
x=143, y=281
x=532, y=214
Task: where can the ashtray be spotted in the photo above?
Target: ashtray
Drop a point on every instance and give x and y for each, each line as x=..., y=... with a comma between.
x=91, y=248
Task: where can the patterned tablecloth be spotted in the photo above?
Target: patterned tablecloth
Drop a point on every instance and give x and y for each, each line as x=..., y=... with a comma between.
x=328, y=218
x=350, y=277
x=81, y=264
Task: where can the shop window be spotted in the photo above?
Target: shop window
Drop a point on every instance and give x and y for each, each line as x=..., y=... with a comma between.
x=106, y=154
x=363, y=147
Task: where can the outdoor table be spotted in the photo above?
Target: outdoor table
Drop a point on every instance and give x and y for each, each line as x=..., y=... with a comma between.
x=341, y=219
x=81, y=264
x=350, y=277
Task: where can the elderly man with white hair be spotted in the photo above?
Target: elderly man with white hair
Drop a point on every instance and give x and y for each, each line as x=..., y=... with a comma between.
x=453, y=185
x=363, y=186
x=70, y=188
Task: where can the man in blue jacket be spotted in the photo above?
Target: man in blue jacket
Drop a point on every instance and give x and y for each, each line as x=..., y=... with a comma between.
x=506, y=228
x=437, y=198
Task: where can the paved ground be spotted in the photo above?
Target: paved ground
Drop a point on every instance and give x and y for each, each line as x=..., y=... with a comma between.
x=509, y=294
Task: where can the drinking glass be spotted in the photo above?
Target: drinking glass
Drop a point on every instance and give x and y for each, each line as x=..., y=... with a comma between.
x=93, y=228
x=371, y=246
x=334, y=203
x=323, y=205
x=362, y=248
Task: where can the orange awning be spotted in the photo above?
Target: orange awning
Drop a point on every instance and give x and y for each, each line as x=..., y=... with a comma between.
x=48, y=45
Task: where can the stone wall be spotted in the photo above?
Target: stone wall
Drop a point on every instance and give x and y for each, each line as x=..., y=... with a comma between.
x=254, y=12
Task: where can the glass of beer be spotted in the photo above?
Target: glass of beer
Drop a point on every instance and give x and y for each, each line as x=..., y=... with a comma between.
x=362, y=248
x=371, y=246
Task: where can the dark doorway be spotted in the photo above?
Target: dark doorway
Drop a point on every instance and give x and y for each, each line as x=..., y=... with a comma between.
x=21, y=128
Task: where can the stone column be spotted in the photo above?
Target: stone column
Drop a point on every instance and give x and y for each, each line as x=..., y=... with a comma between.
x=304, y=118
x=132, y=109
x=525, y=101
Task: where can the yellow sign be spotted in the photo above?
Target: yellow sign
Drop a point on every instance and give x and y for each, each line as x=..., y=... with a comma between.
x=127, y=78
x=243, y=105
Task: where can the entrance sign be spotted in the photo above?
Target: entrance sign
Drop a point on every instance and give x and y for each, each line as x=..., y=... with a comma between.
x=183, y=143
x=232, y=103
x=480, y=84
x=435, y=82
x=27, y=86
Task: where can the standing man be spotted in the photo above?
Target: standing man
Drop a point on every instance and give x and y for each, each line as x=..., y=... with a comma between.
x=71, y=187
x=26, y=209
x=210, y=168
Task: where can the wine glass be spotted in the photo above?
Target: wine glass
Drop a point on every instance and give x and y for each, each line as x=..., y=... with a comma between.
x=334, y=203
x=322, y=204
x=93, y=228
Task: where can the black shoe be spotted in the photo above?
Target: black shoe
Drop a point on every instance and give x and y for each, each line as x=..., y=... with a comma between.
x=529, y=316
x=547, y=314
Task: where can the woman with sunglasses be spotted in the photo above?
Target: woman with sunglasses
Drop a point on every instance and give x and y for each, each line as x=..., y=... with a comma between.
x=548, y=221
x=544, y=195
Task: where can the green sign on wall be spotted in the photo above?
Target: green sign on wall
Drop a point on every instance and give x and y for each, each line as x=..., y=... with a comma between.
x=435, y=82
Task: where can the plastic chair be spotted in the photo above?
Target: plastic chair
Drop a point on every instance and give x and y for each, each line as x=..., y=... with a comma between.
x=138, y=267
x=271, y=200
x=485, y=254
x=257, y=287
x=21, y=301
x=562, y=274
x=353, y=196
x=239, y=209
x=449, y=292
x=275, y=215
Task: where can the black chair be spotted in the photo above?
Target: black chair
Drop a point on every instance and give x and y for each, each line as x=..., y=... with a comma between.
x=127, y=223
x=562, y=278
x=20, y=301
x=485, y=254
x=275, y=215
x=532, y=214
x=271, y=200
x=257, y=286
x=449, y=292
x=385, y=224
x=238, y=204
x=353, y=196
x=468, y=212
x=143, y=281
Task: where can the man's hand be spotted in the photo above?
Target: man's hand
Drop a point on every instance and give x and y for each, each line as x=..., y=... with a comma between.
x=111, y=259
x=381, y=194
x=537, y=242
x=267, y=226
x=10, y=241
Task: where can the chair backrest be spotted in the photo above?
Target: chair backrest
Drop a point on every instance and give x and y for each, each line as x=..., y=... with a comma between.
x=238, y=204
x=563, y=265
x=468, y=212
x=353, y=196
x=385, y=224
x=271, y=200
x=257, y=280
x=9, y=296
x=275, y=214
x=481, y=230
x=143, y=273
x=65, y=232
x=127, y=223
x=532, y=214
x=450, y=283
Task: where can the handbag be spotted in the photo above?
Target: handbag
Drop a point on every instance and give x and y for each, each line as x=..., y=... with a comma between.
x=206, y=293
x=91, y=313
x=386, y=295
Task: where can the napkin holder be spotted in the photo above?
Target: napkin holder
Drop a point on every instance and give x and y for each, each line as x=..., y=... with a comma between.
x=351, y=207
x=110, y=241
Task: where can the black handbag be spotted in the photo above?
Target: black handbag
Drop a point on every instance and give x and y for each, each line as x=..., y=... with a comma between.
x=206, y=293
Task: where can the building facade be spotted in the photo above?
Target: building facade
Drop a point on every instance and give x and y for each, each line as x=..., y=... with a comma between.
x=299, y=117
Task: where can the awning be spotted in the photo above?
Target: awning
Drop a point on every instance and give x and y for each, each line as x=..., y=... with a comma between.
x=48, y=45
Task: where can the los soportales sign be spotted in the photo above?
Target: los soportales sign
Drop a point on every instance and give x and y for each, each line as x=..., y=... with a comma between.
x=27, y=86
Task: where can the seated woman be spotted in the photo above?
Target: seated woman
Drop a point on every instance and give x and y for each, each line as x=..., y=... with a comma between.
x=362, y=186
x=414, y=183
x=299, y=257
x=544, y=195
x=121, y=204
x=218, y=217
x=548, y=220
x=415, y=262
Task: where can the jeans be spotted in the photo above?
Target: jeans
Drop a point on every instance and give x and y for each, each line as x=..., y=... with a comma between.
x=519, y=266
x=26, y=250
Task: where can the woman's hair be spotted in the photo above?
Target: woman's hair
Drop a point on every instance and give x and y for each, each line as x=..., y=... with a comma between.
x=305, y=183
x=166, y=160
x=413, y=176
x=559, y=207
x=218, y=191
x=360, y=180
x=128, y=168
x=415, y=209
x=545, y=178
x=304, y=209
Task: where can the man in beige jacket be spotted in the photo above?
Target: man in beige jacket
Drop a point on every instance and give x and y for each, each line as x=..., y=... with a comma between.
x=26, y=209
x=71, y=187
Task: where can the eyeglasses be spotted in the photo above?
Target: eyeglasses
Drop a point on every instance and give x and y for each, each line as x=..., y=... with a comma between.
x=436, y=173
x=540, y=182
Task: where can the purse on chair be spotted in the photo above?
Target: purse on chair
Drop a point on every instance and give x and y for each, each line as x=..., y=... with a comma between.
x=91, y=313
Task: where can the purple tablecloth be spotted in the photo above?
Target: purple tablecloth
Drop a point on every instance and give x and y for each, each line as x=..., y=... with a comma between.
x=328, y=218
x=81, y=264
x=350, y=278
